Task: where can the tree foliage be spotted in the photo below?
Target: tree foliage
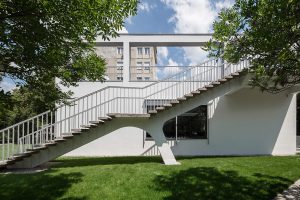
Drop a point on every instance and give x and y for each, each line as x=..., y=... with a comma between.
x=266, y=32
x=41, y=40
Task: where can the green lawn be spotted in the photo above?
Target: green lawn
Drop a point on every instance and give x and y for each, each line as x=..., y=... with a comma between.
x=236, y=178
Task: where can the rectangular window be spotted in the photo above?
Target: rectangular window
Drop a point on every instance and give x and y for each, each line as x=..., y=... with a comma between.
x=147, y=66
x=139, y=78
x=147, y=78
x=120, y=50
x=147, y=51
x=140, y=51
x=139, y=65
x=119, y=65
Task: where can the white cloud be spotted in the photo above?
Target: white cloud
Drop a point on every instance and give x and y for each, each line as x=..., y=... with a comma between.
x=195, y=16
x=194, y=55
x=224, y=4
x=172, y=62
x=162, y=54
x=7, y=86
x=146, y=7
x=123, y=30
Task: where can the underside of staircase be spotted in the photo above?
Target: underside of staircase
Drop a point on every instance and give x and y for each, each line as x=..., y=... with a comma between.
x=97, y=128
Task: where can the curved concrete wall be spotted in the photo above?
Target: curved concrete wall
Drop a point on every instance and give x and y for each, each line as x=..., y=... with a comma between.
x=245, y=122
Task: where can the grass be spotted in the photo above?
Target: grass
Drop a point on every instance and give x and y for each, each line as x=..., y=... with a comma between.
x=216, y=178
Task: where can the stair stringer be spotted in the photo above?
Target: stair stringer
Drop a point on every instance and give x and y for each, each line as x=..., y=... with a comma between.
x=61, y=148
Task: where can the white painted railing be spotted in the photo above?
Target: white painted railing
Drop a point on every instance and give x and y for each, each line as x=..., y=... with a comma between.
x=48, y=126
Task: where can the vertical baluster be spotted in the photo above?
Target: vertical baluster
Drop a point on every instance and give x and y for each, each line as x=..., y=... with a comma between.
x=13, y=140
x=18, y=137
x=8, y=138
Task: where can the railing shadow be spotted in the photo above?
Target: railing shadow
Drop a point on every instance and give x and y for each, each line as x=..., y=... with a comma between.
x=38, y=186
x=210, y=183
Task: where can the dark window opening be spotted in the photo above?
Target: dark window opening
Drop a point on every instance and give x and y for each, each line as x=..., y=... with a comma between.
x=190, y=125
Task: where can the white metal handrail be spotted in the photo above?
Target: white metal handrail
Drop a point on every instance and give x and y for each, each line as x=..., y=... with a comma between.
x=51, y=125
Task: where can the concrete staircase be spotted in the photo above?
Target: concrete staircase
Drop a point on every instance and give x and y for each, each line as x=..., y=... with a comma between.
x=101, y=126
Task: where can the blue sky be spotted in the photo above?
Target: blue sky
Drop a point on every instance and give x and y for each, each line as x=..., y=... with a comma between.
x=170, y=16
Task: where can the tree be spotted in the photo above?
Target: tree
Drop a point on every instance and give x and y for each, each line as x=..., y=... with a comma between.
x=44, y=39
x=266, y=32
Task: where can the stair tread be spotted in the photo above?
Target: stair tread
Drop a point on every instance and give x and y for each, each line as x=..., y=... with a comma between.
x=175, y=102
x=216, y=83
x=189, y=95
x=160, y=108
x=181, y=99
x=152, y=111
x=202, y=89
x=89, y=125
x=195, y=92
x=128, y=115
x=167, y=105
x=105, y=118
x=97, y=122
x=79, y=129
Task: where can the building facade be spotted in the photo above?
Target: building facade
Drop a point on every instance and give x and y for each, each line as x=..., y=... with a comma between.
x=142, y=62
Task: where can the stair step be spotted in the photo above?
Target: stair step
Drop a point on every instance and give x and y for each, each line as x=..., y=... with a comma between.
x=67, y=136
x=128, y=115
x=188, y=95
x=235, y=74
x=36, y=149
x=89, y=126
x=222, y=80
x=167, y=105
x=174, y=102
x=71, y=133
x=79, y=129
x=181, y=99
x=160, y=108
x=23, y=155
x=105, y=118
x=152, y=111
x=195, y=92
x=209, y=86
x=216, y=83
x=19, y=156
x=229, y=77
x=97, y=122
x=202, y=89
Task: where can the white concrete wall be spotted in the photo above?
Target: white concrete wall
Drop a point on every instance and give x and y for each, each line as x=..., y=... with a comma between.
x=246, y=122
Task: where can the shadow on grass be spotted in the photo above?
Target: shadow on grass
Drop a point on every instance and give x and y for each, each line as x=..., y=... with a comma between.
x=86, y=161
x=211, y=184
x=41, y=186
